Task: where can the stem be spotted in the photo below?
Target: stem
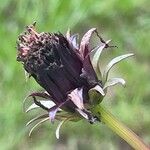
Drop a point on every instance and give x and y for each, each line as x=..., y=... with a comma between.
x=119, y=128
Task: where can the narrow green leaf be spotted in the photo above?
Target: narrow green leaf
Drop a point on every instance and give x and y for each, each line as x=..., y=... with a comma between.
x=98, y=89
x=37, y=118
x=58, y=128
x=59, y=125
x=96, y=58
x=68, y=34
x=31, y=107
x=44, y=95
x=47, y=104
x=82, y=113
x=114, y=81
x=24, y=102
x=27, y=75
x=112, y=63
x=40, y=122
x=62, y=116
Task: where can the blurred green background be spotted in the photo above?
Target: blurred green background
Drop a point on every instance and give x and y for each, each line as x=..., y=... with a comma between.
x=126, y=22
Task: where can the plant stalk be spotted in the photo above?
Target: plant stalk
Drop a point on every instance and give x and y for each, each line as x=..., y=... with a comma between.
x=120, y=129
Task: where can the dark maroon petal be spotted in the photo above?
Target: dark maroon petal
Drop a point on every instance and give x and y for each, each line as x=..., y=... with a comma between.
x=40, y=94
x=73, y=41
x=69, y=59
x=76, y=96
x=52, y=113
x=54, y=110
x=50, y=86
x=88, y=71
x=84, y=46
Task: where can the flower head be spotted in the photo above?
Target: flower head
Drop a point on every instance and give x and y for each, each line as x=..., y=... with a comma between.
x=64, y=69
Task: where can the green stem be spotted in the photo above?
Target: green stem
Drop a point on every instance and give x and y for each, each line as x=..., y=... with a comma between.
x=119, y=128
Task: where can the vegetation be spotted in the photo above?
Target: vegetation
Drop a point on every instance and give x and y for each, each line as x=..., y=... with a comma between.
x=126, y=22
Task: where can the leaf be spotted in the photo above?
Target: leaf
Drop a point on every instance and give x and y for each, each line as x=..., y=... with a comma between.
x=24, y=102
x=112, y=63
x=72, y=117
x=38, y=94
x=98, y=89
x=37, y=118
x=82, y=113
x=68, y=34
x=27, y=75
x=40, y=122
x=31, y=107
x=114, y=81
x=47, y=104
x=58, y=127
x=96, y=58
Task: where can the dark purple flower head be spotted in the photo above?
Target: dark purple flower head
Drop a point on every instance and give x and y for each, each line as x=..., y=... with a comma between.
x=61, y=67
x=65, y=70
